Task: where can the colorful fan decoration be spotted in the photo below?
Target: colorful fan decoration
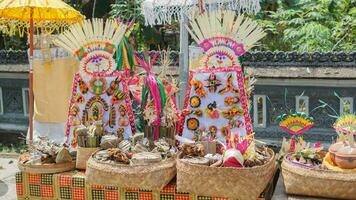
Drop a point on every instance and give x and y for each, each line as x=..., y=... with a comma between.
x=93, y=43
x=346, y=124
x=296, y=123
x=224, y=37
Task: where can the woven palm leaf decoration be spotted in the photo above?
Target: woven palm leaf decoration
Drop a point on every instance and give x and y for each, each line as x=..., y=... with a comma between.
x=296, y=123
x=224, y=37
x=346, y=124
x=93, y=43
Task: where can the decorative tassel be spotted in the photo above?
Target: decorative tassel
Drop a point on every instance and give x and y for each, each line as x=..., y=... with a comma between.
x=85, y=117
x=112, y=116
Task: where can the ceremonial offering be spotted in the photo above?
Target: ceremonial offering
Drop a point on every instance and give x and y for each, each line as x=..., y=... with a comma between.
x=158, y=104
x=344, y=151
x=130, y=167
x=100, y=93
x=45, y=156
x=218, y=155
x=303, y=180
x=314, y=172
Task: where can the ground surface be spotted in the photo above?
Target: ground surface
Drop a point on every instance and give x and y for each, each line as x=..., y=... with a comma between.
x=8, y=169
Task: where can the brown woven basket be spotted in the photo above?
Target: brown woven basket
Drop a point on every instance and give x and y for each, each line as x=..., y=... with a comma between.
x=153, y=177
x=46, y=168
x=234, y=183
x=83, y=155
x=301, y=180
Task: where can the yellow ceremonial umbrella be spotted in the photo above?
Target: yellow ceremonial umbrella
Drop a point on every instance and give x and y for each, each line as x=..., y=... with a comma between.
x=45, y=15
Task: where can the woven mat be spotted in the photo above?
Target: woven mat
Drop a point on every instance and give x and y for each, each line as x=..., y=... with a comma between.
x=71, y=186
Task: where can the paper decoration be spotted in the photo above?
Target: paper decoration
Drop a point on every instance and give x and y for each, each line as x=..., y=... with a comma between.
x=296, y=123
x=101, y=98
x=207, y=108
x=94, y=44
x=346, y=124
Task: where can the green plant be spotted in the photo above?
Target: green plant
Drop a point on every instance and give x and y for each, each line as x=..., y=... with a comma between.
x=309, y=25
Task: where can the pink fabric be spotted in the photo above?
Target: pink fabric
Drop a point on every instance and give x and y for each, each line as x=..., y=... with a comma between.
x=152, y=84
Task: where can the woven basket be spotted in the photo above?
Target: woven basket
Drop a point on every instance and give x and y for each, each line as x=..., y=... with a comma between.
x=301, y=180
x=83, y=155
x=153, y=177
x=46, y=168
x=234, y=183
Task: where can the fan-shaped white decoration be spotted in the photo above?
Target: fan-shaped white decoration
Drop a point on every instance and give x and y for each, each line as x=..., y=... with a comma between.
x=93, y=43
x=224, y=37
x=164, y=11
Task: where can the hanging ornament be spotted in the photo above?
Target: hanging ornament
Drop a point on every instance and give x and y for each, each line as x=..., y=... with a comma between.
x=118, y=96
x=232, y=112
x=85, y=118
x=198, y=112
x=112, y=116
x=79, y=98
x=120, y=134
x=211, y=110
x=212, y=83
x=195, y=101
x=98, y=85
x=233, y=123
x=229, y=86
x=83, y=87
x=230, y=101
x=123, y=121
x=74, y=115
x=95, y=113
x=94, y=100
x=114, y=86
x=213, y=131
x=193, y=124
x=225, y=131
x=198, y=88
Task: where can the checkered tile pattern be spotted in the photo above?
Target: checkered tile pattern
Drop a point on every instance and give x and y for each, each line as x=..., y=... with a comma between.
x=97, y=194
x=46, y=179
x=78, y=193
x=111, y=194
x=35, y=190
x=71, y=186
x=65, y=192
x=65, y=180
x=46, y=191
x=19, y=189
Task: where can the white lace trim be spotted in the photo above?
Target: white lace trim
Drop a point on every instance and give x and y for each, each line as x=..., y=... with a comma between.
x=164, y=11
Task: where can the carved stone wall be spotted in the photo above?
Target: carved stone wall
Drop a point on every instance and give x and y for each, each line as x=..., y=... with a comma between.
x=276, y=105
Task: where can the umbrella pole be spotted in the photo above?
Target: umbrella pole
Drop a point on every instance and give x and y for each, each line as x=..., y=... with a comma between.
x=30, y=101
